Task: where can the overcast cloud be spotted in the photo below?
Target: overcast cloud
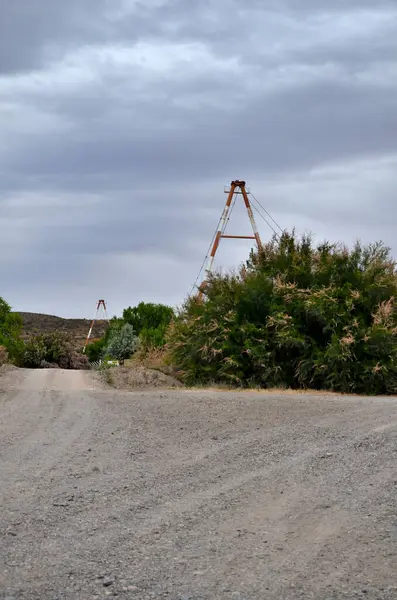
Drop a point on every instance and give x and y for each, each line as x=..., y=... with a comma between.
x=121, y=121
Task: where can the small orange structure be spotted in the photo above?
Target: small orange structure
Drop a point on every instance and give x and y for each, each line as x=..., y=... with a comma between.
x=100, y=315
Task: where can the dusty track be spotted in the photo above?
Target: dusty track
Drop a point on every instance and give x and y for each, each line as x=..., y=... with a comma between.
x=193, y=495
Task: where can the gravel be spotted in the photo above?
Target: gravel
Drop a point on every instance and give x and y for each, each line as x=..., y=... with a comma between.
x=193, y=495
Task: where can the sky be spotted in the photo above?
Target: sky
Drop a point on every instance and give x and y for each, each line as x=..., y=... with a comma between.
x=122, y=121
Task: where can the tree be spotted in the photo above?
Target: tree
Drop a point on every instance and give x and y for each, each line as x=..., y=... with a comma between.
x=122, y=343
x=296, y=315
x=150, y=321
x=54, y=348
x=148, y=316
x=10, y=331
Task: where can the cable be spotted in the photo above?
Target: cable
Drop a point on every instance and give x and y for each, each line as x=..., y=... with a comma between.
x=206, y=256
x=268, y=214
x=225, y=224
x=201, y=269
x=230, y=214
x=266, y=221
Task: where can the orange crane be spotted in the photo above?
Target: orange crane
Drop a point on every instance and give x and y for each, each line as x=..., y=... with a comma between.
x=236, y=187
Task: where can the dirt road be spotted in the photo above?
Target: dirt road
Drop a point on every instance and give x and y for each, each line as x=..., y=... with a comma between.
x=193, y=495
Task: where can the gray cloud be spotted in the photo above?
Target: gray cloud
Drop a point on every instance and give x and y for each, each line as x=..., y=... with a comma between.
x=121, y=122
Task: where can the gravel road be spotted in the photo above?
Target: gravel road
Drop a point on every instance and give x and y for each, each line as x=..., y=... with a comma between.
x=193, y=495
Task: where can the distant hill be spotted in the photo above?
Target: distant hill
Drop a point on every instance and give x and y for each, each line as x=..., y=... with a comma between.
x=77, y=329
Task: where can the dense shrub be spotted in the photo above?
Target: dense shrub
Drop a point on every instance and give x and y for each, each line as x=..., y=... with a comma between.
x=149, y=324
x=3, y=355
x=123, y=343
x=10, y=332
x=47, y=365
x=35, y=353
x=297, y=315
x=148, y=316
x=49, y=349
x=150, y=321
x=95, y=350
x=78, y=361
x=153, y=338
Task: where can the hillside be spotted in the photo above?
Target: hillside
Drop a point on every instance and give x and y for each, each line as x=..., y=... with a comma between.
x=77, y=329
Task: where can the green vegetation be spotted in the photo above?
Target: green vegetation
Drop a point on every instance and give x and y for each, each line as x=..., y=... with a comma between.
x=52, y=350
x=150, y=321
x=95, y=350
x=143, y=326
x=296, y=315
x=98, y=350
x=122, y=343
x=45, y=350
x=10, y=333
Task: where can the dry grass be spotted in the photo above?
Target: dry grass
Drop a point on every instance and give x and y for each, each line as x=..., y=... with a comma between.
x=265, y=391
x=157, y=360
x=138, y=377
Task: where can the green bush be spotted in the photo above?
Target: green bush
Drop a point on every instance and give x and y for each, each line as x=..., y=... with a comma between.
x=10, y=332
x=123, y=343
x=296, y=315
x=149, y=322
x=53, y=348
x=148, y=317
x=35, y=353
x=153, y=337
x=95, y=350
